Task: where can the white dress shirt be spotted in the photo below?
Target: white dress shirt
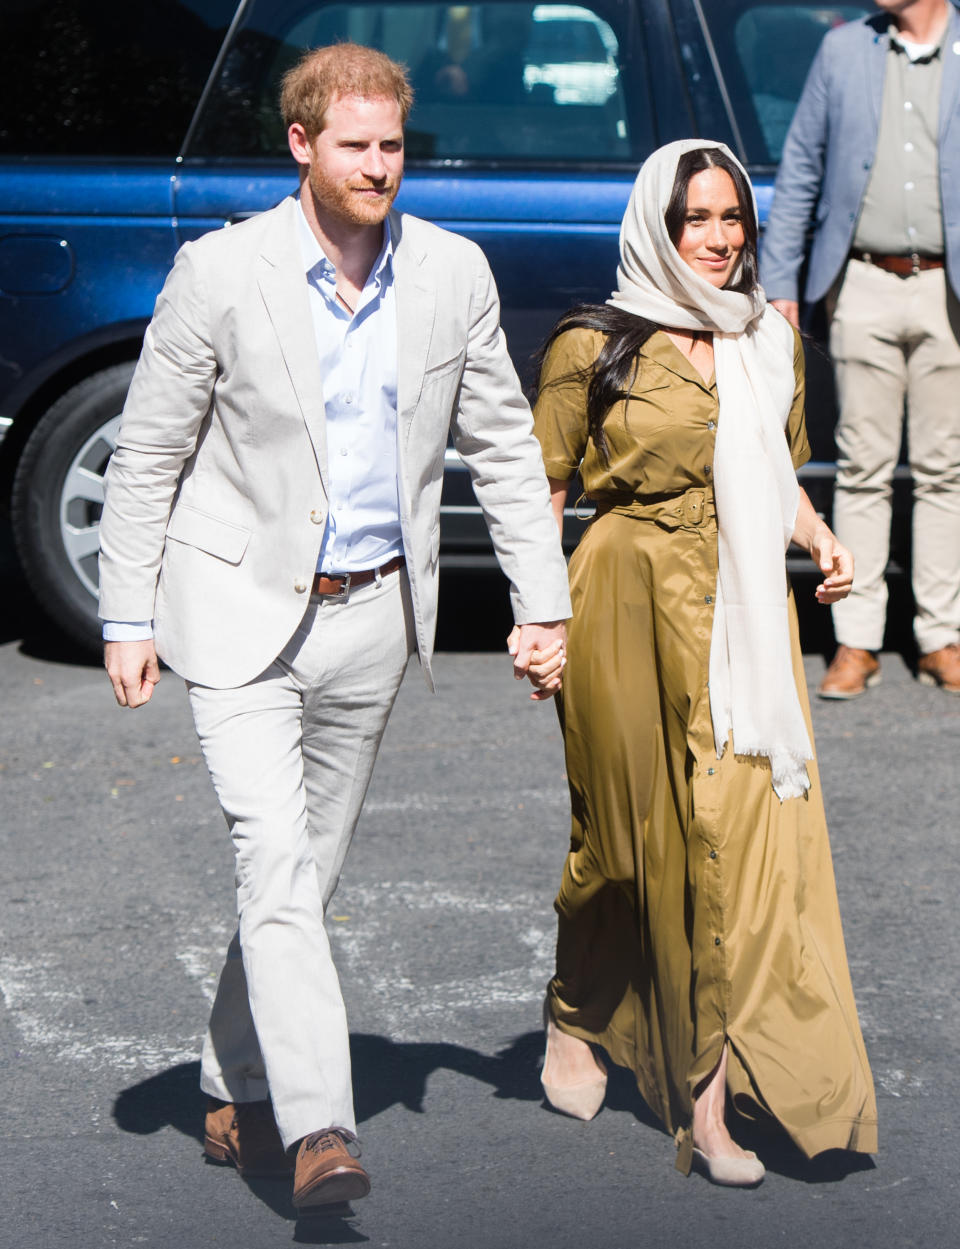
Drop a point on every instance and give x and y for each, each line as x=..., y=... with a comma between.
x=358, y=363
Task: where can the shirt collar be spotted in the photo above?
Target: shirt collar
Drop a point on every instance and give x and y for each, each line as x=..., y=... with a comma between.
x=915, y=51
x=316, y=263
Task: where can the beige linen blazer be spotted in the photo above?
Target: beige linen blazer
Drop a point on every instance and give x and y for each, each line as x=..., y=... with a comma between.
x=216, y=495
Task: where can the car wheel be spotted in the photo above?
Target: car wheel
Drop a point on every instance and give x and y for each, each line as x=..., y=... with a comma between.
x=58, y=498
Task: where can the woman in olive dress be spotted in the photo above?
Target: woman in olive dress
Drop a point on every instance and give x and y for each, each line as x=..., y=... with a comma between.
x=699, y=934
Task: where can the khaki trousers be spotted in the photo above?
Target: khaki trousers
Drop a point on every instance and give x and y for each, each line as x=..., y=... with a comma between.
x=291, y=755
x=894, y=342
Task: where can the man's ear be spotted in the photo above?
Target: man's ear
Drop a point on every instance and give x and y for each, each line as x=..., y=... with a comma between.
x=300, y=147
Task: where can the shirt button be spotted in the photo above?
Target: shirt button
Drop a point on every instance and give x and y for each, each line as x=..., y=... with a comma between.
x=908, y=147
x=713, y=854
x=908, y=186
x=316, y=517
x=708, y=599
x=348, y=398
x=907, y=104
x=716, y=941
x=710, y=771
x=707, y=469
x=344, y=451
x=300, y=586
x=711, y=425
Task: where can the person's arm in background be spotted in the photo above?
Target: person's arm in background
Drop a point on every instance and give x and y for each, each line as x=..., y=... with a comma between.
x=796, y=194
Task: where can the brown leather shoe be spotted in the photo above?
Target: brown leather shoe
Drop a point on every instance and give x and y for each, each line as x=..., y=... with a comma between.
x=941, y=668
x=851, y=673
x=246, y=1135
x=327, y=1173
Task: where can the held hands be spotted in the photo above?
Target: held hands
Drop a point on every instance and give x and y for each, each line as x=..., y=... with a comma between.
x=133, y=671
x=539, y=652
x=836, y=563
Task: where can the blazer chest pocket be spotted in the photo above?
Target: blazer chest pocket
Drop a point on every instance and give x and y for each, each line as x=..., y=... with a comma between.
x=208, y=533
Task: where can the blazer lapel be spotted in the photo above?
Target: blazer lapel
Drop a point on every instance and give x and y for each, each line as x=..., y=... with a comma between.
x=416, y=304
x=950, y=86
x=283, y=286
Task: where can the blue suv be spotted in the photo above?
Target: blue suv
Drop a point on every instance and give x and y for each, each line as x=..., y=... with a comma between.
x=127, y=129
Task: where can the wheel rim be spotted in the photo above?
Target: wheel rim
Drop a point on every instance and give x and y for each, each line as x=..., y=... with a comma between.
x=81, y=504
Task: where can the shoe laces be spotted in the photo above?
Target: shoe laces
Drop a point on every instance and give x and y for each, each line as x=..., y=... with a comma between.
x=332, y=1138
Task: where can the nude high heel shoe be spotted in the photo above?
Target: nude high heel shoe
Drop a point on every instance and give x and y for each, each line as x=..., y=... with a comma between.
x=732, y=1172
x=581, y=1101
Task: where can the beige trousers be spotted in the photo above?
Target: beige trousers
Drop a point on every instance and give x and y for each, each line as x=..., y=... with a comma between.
x=291, y=755
x=894, y=343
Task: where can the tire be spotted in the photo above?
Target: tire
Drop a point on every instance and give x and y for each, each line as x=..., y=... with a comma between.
x=58, y=498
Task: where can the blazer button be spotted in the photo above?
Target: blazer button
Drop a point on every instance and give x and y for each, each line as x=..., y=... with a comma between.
x=300, y=587
x=316, y=517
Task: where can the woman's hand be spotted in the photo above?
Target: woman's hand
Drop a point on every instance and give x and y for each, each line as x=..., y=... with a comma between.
x=830, y=556
x=539, y=653
x=836, y=563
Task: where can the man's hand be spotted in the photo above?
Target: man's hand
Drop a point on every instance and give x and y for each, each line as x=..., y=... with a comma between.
x=133, y=670
x=539, y=652
x=789, y=308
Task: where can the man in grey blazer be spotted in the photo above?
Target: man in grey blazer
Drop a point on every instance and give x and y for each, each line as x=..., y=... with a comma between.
x=871, y=165
x=271, y=529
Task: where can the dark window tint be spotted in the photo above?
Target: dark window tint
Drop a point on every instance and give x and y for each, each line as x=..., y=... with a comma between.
x=764, y=52
x=493, y=81
x=104, y=77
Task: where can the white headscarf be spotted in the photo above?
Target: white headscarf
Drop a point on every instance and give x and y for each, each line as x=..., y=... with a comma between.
x=752, y=688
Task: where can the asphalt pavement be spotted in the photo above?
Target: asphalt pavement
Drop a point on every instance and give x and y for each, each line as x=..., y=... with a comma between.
x=117, y=903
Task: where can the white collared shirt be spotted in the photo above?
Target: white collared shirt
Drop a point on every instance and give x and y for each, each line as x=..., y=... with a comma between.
x=358, y=364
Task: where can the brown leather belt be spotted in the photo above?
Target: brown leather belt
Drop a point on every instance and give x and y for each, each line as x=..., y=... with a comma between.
x=902, y=266
x=340, y=587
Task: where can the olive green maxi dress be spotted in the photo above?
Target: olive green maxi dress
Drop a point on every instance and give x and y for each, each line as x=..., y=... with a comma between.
x=695, y=907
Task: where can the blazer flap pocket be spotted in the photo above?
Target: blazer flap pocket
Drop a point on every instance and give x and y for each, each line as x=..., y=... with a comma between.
x=208, y=533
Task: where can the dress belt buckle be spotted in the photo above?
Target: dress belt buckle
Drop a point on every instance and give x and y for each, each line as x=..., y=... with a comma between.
x=693, y=507
x=344, y=591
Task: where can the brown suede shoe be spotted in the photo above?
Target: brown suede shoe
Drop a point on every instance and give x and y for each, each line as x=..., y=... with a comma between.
x=327, y=1173
x=245, y=1135
x=852, y=673
x=941, y=668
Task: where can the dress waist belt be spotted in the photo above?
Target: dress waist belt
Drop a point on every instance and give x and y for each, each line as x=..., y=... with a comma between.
x=688, y=510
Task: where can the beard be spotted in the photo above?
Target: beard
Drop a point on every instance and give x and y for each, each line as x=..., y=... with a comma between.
x=343, y=200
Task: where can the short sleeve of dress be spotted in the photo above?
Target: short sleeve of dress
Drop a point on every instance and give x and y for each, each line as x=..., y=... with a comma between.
x=796, y=422
x=560, y=413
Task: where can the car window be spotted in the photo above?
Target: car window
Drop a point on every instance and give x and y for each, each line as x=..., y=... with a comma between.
x=494, y=81
x=104, y=77
x=764, y=52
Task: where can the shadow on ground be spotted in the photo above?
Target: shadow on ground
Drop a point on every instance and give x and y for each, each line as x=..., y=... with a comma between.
x=389, y=1073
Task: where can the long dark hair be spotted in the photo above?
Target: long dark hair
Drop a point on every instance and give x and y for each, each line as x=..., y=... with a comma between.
x=613, y=373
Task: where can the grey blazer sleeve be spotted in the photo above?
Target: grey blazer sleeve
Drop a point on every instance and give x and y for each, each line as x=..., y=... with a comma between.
x=798, y=185
x=169, y=397
x=493, y=433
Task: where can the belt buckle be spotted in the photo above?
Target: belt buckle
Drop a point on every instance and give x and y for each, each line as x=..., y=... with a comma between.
x=344, y=591
x=693, y=502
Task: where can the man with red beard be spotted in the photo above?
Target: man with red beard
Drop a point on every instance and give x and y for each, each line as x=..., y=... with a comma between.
x=271, y=529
